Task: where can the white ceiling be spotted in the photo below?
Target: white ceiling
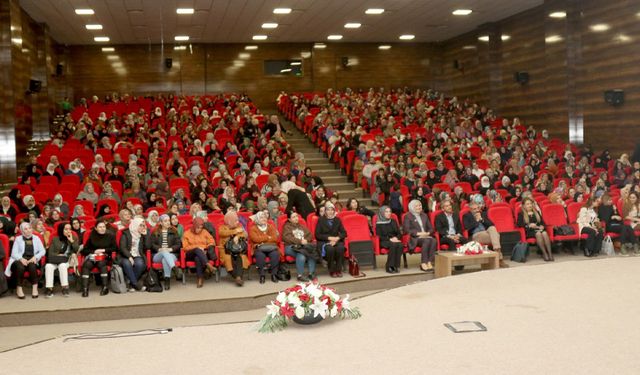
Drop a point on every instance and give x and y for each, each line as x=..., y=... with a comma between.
x=236, y=21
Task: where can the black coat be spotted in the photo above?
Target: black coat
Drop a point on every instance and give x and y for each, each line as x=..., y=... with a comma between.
x=388, y=230
x=442, y=224
x=324, y=230
x=471, y=224
x=125, y=244
x=172, y=239
x=300, y=201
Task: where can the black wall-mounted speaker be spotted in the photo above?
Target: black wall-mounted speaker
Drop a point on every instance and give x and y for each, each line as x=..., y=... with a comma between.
x=614, y=97
x=59, y=70
x=168, y=62
x=521, y=77
x=35, y=85
x=456, y=64
x=345, y=62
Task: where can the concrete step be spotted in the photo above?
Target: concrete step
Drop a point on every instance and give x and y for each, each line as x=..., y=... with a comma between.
x=338, y=185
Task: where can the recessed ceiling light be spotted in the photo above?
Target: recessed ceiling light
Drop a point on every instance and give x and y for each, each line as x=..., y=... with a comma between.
x=599, y=27
x=179, y=48
x=108, y=49
x=319, y=45
x=553, y=39
x=505, y=37
x=244, y=55
x=185, y=10
x=181, y=38
x=101, y=39
x=16, y=40
x=113, y=57
x=483, y=38
x=285, y=70
x=259, y=37
x=269, y=25
x=334, y=37
x=559, y=14
x=384, y=46
x=94, y=27
x=117, y=65
x=84, y=12
x=352, y=25
x=238, y=63
x=282, y=11
x=250, y=48
x=407, y=37
x=305, y=54
x=462, y=12
x=622, y=38
x=469, y=47
x=374, y=11
x=295, y=63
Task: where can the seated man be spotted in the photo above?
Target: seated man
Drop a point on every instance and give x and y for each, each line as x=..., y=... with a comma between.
x=448, y=225
x=482, y=229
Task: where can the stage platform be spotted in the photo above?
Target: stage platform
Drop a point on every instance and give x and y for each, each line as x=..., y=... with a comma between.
x=570, y=317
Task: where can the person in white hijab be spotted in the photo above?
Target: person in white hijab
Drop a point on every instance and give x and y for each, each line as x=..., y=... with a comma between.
x=417, y=225
x=133, y=245
x=25, y=256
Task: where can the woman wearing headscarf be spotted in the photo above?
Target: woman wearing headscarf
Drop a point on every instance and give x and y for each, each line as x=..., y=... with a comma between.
x=390, y=236
x=25, y=256
x=30, y=205
x=16, y=198
x=133, y=244
x=298, y=243
x=88, y=194
x=330, y=234
x=51, y=171
x=59, y=204
x=153, y=218
x=97, y=251
x=196, y=242
x=176, y=224
x=7, y=209
x=78, y=211
x=64, y=246
x=109, y=193
x=165, y=248
x=274, y=210
x=232, y=230
x=416, y=224
x=264, y=237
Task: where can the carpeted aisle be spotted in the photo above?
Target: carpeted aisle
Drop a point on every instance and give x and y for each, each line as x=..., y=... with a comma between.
x=566, y=318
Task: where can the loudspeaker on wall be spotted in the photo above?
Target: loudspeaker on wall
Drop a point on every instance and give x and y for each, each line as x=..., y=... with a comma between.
x=168, y=62
x=35, y=86
x=521, y=77
x=345, y=62
x=614, y=97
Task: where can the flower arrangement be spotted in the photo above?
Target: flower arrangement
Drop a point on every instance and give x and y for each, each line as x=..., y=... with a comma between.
x=471, y=248
x=306, y=299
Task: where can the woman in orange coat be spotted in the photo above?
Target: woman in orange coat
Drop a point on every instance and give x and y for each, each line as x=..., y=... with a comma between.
x=195, y=243
x=264, y=237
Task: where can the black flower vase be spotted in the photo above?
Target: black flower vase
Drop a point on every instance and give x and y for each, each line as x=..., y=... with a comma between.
x=308, y=319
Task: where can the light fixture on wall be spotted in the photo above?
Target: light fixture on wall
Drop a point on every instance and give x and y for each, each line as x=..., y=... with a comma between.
x=374, y=11
x=334, y=37
x=483, y=38
x=384, y=47
x=319, y=46
x=108, y=49
x=185, y=10
x=282, y=11
x=558, y=14
x=462, y=12
x=599, y=27
x=181, y=38
x=101, y=39
x=352, y=25
x=250, y=48
x=259, y=37
x=406, y=37
x=94, y=26
x=269, y=25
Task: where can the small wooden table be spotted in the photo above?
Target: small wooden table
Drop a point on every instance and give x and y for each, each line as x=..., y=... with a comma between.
x=445, y=260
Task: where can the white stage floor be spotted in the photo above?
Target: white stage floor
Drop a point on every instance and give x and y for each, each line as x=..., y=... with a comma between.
x=565, y=318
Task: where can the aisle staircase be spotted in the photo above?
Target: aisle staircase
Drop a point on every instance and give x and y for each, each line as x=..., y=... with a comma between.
x=330, y=173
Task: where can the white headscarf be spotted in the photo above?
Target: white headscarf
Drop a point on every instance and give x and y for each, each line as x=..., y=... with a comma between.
x=135, y=235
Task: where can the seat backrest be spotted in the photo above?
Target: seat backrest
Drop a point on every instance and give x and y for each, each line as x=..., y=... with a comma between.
x=502, y=218
x=357, y=227
x=572, y=211
x=553, y=214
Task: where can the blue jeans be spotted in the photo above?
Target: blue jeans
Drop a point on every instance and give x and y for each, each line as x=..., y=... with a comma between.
x=133, y=272
x=300, y=260
x=168, y=261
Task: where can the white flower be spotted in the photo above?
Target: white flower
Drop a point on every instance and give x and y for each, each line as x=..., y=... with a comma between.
x=282, y=298
x=273, y=310
x=319, y=308
x=345, y=302
x=314, y=291
x=294, y=300
x=334, y=311
x=299, y=312
x=331, y=294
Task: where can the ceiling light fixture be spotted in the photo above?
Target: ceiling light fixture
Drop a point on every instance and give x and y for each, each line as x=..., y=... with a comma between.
x=84, y=12
x=113, y=57
x=282, y=11
x=462, y=12
x=505, y=37
x=185, y=10
x=374, y=11
x=244, y=55
x=553, y=39
x=407, y=37
x=334, y=37
x=384, y=47
x=181, y=38
x=483, y=38
x=285, y=70
x=352, y=25
x=469, y=47
x=269, y=25
x=94, y=27
x=108, y=49
x=250, y=48
x=622, y=38
x=179, y=48
x=305, y=54
x=295, y=63
x=559, y=14
x=599, y=27
x=101, y=39
x=319, y=45
x=259, y=37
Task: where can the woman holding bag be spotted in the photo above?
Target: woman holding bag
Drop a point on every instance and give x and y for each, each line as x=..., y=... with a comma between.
x=63, y=247
x=589, y=224
x=298, y=244
x=232, y=230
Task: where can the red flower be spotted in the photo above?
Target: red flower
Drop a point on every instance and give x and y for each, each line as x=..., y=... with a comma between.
x=287, y=311
x=304, y=297
x=339, y=305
